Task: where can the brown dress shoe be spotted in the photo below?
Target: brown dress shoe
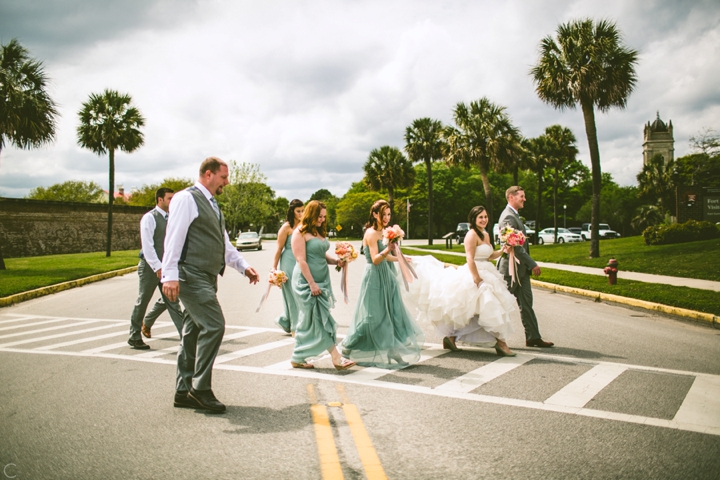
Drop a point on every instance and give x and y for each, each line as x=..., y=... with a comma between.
x=538, y=342
x=145, y=331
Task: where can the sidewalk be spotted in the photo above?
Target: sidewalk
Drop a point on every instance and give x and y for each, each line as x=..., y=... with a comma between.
x=640, y=277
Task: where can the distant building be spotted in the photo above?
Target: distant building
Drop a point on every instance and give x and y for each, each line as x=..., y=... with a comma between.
x=658, y=139
x=118, y=194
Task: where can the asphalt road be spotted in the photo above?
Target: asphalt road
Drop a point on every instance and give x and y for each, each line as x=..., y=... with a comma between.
x=625, y=394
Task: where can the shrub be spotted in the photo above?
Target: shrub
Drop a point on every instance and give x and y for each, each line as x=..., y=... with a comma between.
x=690, y=231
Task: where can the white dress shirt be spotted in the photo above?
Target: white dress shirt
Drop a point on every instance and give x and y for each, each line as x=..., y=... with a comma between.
x=147, y=232
x=184, y=211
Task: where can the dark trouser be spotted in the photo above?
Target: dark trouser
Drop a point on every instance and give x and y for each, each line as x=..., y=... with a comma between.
x=203, y=329
x=149, y=282
x=524, y=296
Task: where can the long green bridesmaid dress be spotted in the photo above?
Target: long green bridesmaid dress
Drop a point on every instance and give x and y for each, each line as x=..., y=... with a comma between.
x=316, y=329
x=383, y=333
x=288, y=320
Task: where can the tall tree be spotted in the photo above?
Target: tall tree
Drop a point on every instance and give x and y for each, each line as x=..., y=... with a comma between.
x=27, y=113
x=70, y=191
x=586, y=65
x=483, y=136
x=562, y=151
x=248, y=201
x=109, y=122
x=387, y=169
x=537, y=156
x=424, y=143
x=656, y=185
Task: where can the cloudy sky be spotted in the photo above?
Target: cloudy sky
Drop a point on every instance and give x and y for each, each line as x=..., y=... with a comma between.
x=306, y=89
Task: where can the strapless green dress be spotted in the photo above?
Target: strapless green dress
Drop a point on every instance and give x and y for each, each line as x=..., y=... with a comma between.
x=288, y=320
x=383, y=333
x=316, y=329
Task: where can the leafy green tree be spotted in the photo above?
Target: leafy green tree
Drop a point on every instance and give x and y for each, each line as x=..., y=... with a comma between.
x=656, y=184
x=562, y=151
x=618, y=206
x=706, y=142
x=698, y=169
x=109, y=122
x=586, y=65
x=424, y=143
x=483, y=136
x=647, y=216
x=536, y=151
x=70, y=191
x=27, y=113
x=353, y=211
x=387, y=168
x=248, y=201
x=145, y=196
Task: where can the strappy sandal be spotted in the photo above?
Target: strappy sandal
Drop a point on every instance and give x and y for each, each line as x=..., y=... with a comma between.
x=344, y=364
x=302, y=365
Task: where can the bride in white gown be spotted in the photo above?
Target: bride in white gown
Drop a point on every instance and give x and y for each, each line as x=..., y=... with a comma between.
x=470, y=304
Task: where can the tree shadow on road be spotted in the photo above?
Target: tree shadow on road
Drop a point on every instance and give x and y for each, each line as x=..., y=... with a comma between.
x=254, y=420
x=570, y=352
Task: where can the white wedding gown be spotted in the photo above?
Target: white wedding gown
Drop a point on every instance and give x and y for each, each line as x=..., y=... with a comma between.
x=449, y=299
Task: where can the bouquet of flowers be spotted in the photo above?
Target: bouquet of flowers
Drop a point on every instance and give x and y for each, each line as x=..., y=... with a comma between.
x=512, y=238
x=345, y=252
x=277, y=278
x=392, y=234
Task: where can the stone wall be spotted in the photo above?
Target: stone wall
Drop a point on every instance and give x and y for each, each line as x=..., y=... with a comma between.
x=31, y=228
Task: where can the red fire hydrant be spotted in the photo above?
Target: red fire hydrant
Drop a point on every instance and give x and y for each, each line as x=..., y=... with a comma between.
x=611, y=271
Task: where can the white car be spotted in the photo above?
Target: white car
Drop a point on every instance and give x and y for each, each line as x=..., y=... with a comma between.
x=564, y=235
x=248, y=240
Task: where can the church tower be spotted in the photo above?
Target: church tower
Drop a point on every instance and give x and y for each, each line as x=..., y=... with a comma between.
x=658, y=139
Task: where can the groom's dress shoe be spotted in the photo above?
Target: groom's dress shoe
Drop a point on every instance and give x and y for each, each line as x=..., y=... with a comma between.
x=138, y=344
x=538, y=342
x=183, y=401
x=145, y=331
x=207, y=401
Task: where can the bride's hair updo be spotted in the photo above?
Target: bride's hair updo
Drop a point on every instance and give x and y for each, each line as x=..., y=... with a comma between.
x=308, y=222
x=472, y=216
x=295, y=203
x=377, y=207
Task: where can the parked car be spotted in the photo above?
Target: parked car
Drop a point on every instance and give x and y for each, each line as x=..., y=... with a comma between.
x=564, y=235
x=577, y=230
x=604, y=231
x=247, y=240
x=460, y=232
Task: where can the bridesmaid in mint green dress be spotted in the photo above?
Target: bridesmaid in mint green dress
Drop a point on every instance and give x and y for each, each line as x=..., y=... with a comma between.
x=285, y=261
x=383, y=333
x=315, y=332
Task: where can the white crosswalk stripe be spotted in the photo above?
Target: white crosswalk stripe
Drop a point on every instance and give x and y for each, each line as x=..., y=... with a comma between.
x=699, y=411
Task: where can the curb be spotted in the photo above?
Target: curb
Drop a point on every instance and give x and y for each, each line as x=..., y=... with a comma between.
x=59, y=287
x=632, y=302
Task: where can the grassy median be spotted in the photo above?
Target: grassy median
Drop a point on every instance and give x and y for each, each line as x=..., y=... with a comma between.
x=682, y=297
x=29, y=273
x=688, y=260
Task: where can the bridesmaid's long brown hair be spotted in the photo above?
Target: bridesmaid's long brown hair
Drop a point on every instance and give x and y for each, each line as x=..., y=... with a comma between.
x=308, y=222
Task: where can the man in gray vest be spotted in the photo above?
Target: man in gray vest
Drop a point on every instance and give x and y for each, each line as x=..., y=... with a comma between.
x=521, y=287
x=197, y=250
x=152, y=238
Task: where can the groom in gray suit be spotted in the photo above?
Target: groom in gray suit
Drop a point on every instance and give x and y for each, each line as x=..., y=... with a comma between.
x=521, y=287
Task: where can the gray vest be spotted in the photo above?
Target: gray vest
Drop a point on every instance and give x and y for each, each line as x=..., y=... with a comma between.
x=159, y=235
x=205, y=242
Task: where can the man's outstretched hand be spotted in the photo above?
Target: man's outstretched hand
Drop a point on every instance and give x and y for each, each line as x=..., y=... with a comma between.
x=252, y=275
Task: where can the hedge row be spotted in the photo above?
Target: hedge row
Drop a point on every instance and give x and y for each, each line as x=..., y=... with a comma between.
x=689, y=231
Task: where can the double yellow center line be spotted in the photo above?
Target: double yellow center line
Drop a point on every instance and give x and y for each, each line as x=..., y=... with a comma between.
x=329, y=459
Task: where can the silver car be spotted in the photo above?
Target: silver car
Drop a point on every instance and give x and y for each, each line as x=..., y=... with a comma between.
x=248, y=240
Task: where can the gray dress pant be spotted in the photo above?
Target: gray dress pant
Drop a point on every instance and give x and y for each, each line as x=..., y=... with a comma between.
x=157, y=309
x=203, y=329
x=523, y=294
x=149, y=282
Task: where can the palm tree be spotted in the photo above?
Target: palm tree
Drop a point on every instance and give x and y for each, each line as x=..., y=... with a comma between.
x=27, y=113
x=424, y=143
x=562, y=150
x=387, y=168
x=483, y=136
x=537, y=157
x=655, y=183
x=586, y=65
x=108, y=122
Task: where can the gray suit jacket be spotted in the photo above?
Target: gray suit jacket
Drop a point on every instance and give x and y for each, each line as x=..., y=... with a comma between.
x=509, y=217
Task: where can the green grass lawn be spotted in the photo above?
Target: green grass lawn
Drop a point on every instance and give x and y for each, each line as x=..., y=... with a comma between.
x=689, y=260
x=28, y=273
x=682, y=297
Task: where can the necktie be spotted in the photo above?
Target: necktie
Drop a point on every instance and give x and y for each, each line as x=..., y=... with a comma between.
x=215, y=206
